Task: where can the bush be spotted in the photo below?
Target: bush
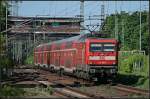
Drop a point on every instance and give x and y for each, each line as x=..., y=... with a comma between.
x=30, y=60
x=126, y=63
x=50, y=90
x=143, y=83
x=6, y=62
x=7, y=90
x=124, y=48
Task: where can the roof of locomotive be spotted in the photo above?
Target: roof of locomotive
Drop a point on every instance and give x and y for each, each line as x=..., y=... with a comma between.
x=79, y=38
x=75, y=38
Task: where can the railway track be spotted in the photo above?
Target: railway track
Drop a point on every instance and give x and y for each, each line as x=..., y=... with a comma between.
x=130, y=89
x=68, y=91
x=49, y=79
x=64, y=84
x=122, y=88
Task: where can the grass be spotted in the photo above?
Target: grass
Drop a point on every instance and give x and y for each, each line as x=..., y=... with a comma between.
x=133, y=80
x=29, y=60
x=39, y=91
x=143, y=83
x=136, y=77
x=83, y=88
x=7, y=91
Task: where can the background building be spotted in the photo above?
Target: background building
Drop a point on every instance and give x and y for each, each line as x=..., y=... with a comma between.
x=28, y=32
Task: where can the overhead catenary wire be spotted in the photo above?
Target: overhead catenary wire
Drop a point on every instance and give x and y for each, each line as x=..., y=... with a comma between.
x=22, y=25
x=73, y=8
x=19, y=25
x=94, y=19
x=16, y=26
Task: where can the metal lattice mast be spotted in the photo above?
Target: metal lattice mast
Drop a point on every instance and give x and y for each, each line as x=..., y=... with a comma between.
x=14, y=7
x=122, y=24
x=81, y=15
x=102, y=12
x=140, y=28
x=6, y=26
x=116, y=21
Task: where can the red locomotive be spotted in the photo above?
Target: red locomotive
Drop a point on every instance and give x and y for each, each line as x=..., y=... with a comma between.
x=83, y=56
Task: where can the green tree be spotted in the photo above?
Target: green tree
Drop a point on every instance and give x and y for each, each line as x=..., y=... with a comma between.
x=131, y=26
x=5, y=61
x=2, y=16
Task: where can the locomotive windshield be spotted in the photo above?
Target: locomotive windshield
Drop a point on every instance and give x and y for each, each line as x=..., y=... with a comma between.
x=109, y=47
x=94, y=47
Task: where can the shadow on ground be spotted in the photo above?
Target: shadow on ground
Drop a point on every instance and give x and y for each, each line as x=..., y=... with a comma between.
x=129, y=79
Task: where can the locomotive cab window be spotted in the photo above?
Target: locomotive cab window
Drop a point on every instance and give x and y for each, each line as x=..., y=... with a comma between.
x=95, y=47
x=109, y=47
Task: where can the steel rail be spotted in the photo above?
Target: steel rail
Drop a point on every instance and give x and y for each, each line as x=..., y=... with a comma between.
x=130, y=89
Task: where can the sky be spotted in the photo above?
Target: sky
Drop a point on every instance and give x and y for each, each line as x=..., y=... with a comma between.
x=72, y=8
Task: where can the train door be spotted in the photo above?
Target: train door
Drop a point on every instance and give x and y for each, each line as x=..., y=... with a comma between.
x=48, y=56
x=42, y=56
x=48, y=59
x=36, y=58
x=74, y=55
x=59, y=59
x=45, y=52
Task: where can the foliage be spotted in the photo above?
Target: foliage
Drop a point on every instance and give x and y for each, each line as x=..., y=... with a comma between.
x=130, y=27
x=29, y=59
x=7, y=90
x=83, y=88
x=2, y=40
x=50, y=90
x=143, y=83
x=126, y=64
x=6, y=62
x=3, y=4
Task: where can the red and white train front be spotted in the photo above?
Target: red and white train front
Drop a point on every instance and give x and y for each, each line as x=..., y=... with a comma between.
x=101, y=57
x=84, y=57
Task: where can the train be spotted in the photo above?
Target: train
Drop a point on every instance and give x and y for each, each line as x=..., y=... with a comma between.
x=83, y=56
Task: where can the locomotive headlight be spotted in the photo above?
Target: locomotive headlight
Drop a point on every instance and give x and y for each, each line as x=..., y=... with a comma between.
x=92, y=70
x=94, y=58
x=113, y=70
x=110, y=58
